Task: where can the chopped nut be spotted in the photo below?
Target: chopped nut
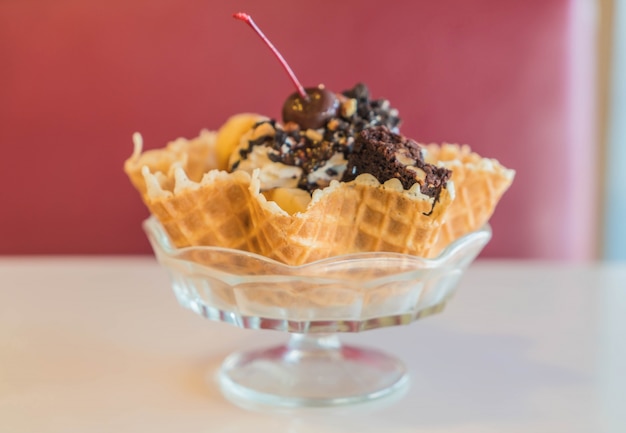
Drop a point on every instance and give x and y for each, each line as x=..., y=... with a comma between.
x=313, y=135
x=404, y=159
x=332, y=124
x=348, y=108
x=291, y=126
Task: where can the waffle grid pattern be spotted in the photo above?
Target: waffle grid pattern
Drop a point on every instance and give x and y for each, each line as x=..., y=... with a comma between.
x=227, y=209
x=479, y=185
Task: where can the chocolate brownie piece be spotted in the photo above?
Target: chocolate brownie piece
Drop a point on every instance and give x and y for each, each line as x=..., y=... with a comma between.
x=386, y=155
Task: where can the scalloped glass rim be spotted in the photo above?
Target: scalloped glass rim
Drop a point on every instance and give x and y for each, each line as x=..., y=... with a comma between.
x=347, y=293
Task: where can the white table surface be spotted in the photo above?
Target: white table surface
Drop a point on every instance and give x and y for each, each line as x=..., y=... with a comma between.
x=99, y=344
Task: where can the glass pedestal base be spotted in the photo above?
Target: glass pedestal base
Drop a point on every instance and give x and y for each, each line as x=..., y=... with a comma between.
x=311, y=370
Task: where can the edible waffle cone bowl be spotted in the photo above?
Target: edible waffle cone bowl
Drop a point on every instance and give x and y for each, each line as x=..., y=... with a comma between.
x=228, y=210
x=479, y=184
x=195, y=157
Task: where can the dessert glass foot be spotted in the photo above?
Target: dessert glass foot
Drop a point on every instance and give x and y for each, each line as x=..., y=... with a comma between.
x=311, y=370
x=313, y=303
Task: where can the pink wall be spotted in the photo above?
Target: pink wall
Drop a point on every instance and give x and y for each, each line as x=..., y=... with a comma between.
x=78, y=78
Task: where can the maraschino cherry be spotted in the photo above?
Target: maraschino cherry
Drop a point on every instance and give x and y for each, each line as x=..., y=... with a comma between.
x=310, y=108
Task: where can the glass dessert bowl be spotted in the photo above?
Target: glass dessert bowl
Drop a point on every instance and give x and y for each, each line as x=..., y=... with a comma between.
x=313, y=303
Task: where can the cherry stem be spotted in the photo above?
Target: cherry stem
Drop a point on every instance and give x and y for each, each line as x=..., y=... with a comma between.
x=248, y=20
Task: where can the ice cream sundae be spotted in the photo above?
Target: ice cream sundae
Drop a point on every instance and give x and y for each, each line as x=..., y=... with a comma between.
x=334, y=176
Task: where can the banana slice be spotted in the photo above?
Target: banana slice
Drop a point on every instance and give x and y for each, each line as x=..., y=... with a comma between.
x=229, y=135
x=291, y=200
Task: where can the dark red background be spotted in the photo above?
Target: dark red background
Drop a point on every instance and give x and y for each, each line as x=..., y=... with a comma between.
x=77, y=78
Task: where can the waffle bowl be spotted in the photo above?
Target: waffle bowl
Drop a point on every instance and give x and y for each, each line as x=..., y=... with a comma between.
x=313, y=303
